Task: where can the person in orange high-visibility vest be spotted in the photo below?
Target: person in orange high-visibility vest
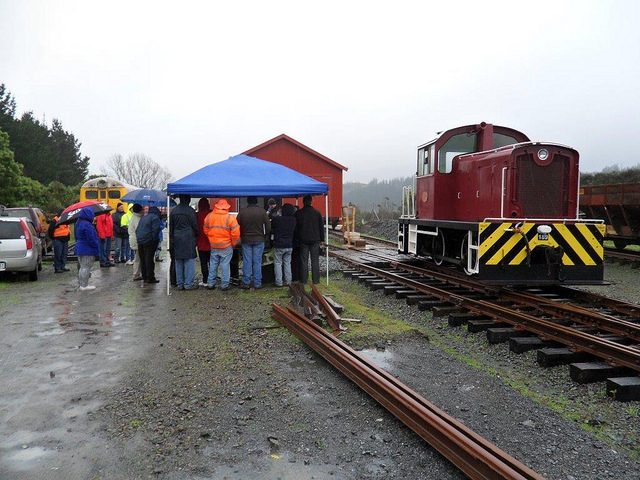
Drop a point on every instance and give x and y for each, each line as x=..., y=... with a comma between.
x=223, y=232
x=60, y=235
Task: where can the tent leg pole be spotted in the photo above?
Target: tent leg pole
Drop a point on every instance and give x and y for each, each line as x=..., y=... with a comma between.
x=326, y=232
x=168, y=246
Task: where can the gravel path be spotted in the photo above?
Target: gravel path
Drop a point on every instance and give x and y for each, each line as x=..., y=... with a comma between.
x=228, y=394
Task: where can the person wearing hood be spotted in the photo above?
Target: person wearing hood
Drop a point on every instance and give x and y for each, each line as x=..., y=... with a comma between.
x=132, y=225
x=223, y=232
x=204, y=249
x=87, y=246
x=121, y=235
x=283, y=227
x=183, y=233
x=148, y=235
x=104, y=225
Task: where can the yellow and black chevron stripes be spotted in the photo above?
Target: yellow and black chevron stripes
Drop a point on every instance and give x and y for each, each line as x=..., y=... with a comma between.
x=503, y=244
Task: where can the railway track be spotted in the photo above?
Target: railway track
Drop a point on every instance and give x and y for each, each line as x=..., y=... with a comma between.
x=598, y=336
x=472, y=454
x=623, y=256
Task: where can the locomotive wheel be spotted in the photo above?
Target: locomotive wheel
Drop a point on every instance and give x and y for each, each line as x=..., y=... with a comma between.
x=438, y=248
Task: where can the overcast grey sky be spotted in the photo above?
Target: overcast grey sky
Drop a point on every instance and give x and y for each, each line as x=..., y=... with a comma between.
x=191, y=83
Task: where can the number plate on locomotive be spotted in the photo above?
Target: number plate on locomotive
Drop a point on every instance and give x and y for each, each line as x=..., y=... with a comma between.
x=543, y=236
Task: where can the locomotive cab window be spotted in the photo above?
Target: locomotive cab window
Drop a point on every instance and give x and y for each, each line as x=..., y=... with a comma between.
x=502, y=140
x=456, y=145
x=91, y=194
x=113, y=194
x=423, y=161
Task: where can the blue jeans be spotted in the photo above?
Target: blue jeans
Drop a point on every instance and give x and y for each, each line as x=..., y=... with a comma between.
x=282, y=258
x=60, y=250
x=185, y=272
x=252, y=263
x=122, y=249
x=105, y=251
x=220, y=257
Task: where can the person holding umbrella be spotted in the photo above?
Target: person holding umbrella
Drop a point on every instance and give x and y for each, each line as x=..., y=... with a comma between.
x=87, y=246
x=147, y=235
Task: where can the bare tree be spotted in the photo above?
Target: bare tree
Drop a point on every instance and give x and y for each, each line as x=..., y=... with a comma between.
x=139, y=170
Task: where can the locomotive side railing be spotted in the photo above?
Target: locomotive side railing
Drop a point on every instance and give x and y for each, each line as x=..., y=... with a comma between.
x=545, y=220
x=408, y=202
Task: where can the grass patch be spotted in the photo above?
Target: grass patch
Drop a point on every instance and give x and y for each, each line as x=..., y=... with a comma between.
x=375, y=325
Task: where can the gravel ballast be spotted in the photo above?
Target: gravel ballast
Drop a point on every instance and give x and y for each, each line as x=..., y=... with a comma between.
x=228, y=394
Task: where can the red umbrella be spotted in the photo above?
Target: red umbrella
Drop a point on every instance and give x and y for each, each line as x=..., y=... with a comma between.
x=70, y=214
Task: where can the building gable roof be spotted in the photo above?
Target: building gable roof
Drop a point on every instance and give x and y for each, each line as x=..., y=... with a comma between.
x=287, y=138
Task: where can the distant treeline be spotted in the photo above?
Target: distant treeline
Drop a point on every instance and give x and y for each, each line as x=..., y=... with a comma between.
x=382, y=196
x=40, y=165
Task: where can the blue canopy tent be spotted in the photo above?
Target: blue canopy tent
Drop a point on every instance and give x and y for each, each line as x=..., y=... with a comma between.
x=243, y=176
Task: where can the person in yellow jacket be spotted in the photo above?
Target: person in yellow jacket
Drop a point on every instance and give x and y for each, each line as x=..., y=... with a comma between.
x=130, y=253
x=60, y=235
x=223, y=232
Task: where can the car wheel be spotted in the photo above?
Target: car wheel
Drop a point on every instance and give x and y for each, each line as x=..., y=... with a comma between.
x=33, y=276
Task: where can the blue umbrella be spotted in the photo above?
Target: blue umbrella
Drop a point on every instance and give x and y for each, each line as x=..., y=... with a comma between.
x=147, y=197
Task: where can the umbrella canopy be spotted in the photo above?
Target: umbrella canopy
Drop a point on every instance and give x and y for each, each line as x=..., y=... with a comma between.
x=70, y=214
x=147, y=197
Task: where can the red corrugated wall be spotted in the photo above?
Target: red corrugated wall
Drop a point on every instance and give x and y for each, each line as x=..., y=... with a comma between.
x=291, y=155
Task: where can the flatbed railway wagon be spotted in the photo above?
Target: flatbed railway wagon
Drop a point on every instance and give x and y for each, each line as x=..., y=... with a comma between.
x=502, y=208
x=618, y=205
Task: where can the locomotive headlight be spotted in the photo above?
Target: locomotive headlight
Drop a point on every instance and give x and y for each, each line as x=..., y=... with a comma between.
x=544, y=229
x=543, y=154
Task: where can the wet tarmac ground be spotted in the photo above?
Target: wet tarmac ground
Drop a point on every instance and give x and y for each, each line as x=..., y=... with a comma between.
x=59, y=349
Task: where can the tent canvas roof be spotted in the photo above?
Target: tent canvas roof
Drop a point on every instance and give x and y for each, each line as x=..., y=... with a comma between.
x=242, y=176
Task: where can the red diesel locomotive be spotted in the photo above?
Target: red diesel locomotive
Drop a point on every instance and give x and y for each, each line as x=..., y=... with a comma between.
x=502, y=207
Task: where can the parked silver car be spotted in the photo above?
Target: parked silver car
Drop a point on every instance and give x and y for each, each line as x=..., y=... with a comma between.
x=20, y=247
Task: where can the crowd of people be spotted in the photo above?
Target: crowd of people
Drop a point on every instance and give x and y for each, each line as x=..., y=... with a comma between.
x=211, y=235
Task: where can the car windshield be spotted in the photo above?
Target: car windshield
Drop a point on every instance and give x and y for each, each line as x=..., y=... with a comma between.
x=10, y=230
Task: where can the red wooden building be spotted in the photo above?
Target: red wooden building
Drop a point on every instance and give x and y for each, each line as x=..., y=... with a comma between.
x=293, y=154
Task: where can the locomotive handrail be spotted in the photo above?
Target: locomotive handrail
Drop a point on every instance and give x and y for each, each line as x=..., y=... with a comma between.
x=546, y=220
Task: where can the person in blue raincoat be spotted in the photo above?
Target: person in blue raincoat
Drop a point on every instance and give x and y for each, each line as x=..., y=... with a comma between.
x=87, y=247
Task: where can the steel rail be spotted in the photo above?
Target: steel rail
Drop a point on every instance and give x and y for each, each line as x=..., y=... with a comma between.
x=601, y=320
x=475, y=456
x=614, y=353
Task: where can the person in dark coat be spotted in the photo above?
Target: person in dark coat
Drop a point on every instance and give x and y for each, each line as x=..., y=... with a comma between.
x=283, y=228
x=60, y=235
x=87, y=246
x=255, y=229
x=183, y=234
x=121, y=236
x=202, y=244
x=309, y=234
x=148, y=234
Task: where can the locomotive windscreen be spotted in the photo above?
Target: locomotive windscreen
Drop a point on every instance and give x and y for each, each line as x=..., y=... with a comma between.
x=542, y=190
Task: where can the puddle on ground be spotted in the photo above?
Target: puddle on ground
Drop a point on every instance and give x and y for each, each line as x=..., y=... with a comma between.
x=28, y=454
x=381, y=358
x=48, y=333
